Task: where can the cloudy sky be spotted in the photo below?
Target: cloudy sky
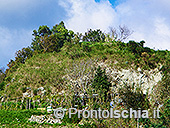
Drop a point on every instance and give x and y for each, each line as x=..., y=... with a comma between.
x=148, y=19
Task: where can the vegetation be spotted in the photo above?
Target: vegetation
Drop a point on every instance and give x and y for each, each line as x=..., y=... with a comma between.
x=65, y=65
x=101, y=82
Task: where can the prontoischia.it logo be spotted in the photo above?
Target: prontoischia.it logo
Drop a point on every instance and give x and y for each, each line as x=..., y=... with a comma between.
x=59, y=113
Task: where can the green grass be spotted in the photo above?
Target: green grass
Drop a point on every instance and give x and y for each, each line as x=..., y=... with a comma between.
x=17, y=118
x=47, y=69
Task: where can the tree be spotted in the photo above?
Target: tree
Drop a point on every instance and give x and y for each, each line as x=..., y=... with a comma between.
x=94, y=36
x=78, y=78
x=101, y=82
x=23, y=54
x=80, y=75
x=39, y=35
x=20, y=58
x=121, y=34
x=135, y=47
x=46, y=40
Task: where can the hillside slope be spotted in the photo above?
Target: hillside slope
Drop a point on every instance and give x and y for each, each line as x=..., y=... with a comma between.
x=90, y=74
x=47, y=69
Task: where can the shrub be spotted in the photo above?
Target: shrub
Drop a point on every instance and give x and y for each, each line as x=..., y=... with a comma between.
x=133, y=97
x=74, y=119
x=101, y=82
x=35, y=91
x=94, y=36
x=86, y=46
x=24, y=89
x=2, y=85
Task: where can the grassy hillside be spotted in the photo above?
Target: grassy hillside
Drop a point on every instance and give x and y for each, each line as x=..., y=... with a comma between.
x=47, y=69
x=66, y=65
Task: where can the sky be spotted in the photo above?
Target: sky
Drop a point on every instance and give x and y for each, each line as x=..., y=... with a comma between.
x=148, y=19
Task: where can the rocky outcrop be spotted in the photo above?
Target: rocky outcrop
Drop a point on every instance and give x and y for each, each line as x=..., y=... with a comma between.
x=145, y=79
x=118, y=77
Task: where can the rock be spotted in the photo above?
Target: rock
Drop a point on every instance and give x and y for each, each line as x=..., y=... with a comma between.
x=95, y=95
x=37, y=67
x=41, y=88
x=26, y=94
x=42, y=119
x=43, y=92
x=12, y=79
x=139, y=70
x=81, y=95
x=126, y=62
x=3, y=99
x=49, y=109
x=28, y=88
x=62, y=92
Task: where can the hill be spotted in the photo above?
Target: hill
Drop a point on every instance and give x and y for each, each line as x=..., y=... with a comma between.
x=64, y=63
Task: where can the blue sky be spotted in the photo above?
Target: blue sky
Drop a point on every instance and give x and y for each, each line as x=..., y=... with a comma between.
x=149, y=19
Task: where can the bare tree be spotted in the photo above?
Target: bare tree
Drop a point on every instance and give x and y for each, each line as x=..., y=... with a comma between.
x=121, y=34
x=80, y=75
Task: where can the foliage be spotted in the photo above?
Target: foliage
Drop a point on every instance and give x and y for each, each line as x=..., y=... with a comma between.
x=60, y=60
x=133, y=97
x=163, y=87
x=20, y=58
x=24, y=89
x=46, y=40
x=2, y=85
x=101, y=82
x=23, y=54
x=164, y=119
x=94, y=36
x=18, y=118
x=73, y=120
x=136, y=48
x=35, y=91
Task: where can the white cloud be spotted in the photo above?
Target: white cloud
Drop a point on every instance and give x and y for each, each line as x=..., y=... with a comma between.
x=88, y=14
x=18, y=18
x=11, y=41
x=149, y=19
